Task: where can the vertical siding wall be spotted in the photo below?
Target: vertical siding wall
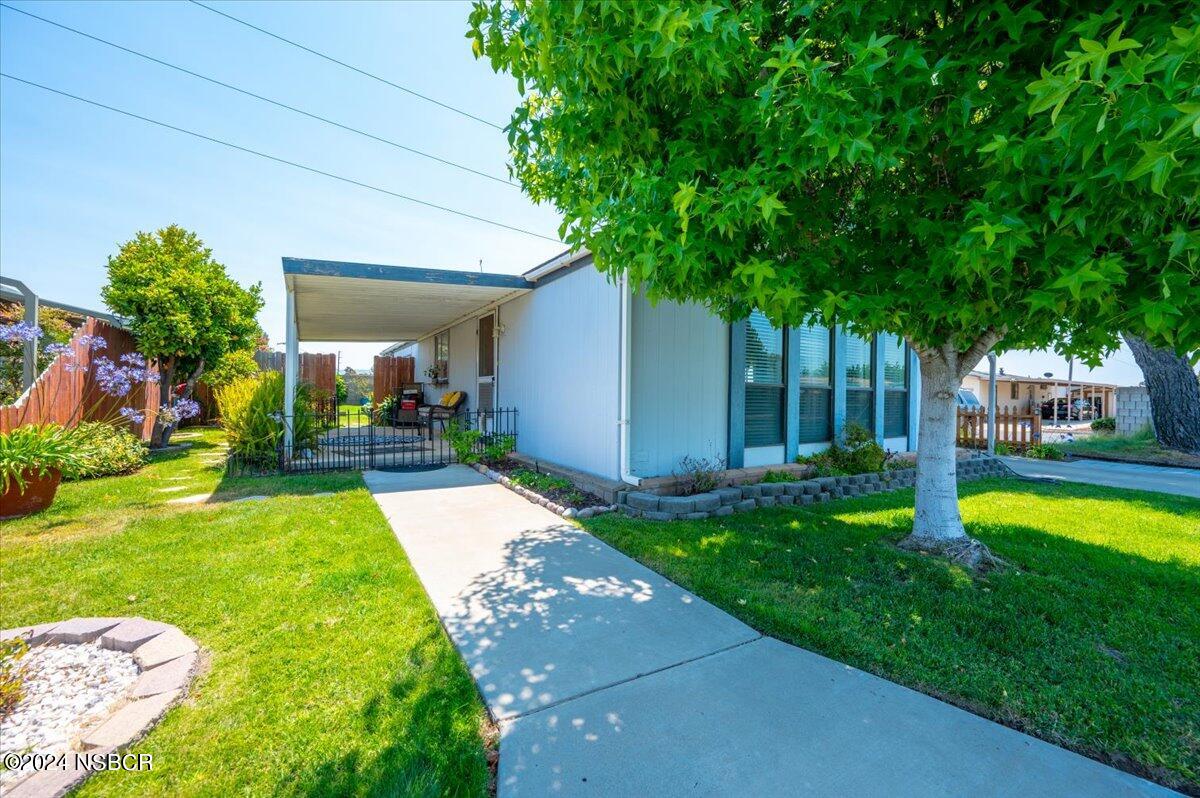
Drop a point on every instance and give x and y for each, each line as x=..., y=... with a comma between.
x=423, y=357
x=464, y=364
x=680, y=386
x=558, y=365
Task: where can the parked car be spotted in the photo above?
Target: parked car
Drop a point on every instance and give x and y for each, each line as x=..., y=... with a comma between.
x=1081, y=410
x=967, y=400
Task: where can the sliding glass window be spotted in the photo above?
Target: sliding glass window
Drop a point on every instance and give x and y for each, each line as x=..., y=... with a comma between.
x=764, y=382
x=860, y=382
x=816, y=387
x=895, y=385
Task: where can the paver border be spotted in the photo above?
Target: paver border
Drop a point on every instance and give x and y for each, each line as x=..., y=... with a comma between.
x=173, y=660
x=743, y=498
x=537, y=498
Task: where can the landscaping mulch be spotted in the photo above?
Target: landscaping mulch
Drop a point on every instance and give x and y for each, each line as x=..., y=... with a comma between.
x=572, y=497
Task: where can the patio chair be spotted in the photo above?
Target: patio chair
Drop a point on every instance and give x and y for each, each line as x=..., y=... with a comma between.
x=407, y=393
x=446, y=409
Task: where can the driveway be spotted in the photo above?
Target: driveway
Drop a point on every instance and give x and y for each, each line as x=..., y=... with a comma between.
x=1181, y=481
x=610, y=680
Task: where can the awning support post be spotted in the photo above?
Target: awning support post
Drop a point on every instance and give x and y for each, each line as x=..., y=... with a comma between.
x=29, y=369
x=291, y=369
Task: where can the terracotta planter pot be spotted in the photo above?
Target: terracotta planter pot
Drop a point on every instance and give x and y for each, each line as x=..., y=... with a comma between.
x=37, y=496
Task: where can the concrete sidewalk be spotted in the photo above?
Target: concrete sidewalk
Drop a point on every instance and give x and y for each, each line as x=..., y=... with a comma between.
x=610, y=680
x=1180, y=481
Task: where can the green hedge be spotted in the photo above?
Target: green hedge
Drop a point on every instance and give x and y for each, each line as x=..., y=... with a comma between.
x=252, y=416
x=107, y=450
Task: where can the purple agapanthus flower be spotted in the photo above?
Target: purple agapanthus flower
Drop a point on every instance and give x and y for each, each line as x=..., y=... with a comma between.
x=187, y=408
x=93, y=342
x=134, y=359
x=59, y=349
x=19, y=333
x=112, y=379
x=132, y=415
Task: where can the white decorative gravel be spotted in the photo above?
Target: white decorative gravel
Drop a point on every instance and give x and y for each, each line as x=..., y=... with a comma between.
x=66, y=689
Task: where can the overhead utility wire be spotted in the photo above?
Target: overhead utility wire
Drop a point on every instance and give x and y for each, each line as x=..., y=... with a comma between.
x=351, y=67
x=276, y=103
x=277, y=159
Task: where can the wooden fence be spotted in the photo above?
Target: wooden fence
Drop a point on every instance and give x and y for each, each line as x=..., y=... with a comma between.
x=67, y=393
x=318, y=371
x=1017, y=429
x=390, y=373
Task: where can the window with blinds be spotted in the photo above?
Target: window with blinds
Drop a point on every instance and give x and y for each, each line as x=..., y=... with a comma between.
x=816, y=388
x=859, y=369
x=764, y=382
x=895, y=385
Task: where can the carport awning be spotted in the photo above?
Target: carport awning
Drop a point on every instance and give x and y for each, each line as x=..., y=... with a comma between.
x=336, y=301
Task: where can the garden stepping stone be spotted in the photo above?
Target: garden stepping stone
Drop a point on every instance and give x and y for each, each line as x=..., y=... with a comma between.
x=130, y=721
x=28, y=632
x=172, y=489
x=198, y=498
x=81, y=630
x=132, y=634
x=172, y=675
x=165, y=647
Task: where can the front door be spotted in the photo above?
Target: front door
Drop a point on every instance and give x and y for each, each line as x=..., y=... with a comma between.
x=486, y=398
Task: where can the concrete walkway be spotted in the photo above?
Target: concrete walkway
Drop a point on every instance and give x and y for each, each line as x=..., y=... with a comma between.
x=610, y=680
x=1164, y=479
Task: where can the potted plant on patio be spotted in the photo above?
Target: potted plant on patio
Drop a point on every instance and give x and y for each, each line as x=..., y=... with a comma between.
x=33, y=460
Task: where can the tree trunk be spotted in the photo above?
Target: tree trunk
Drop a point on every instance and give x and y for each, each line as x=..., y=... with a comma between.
x=161, y=435
x=937, y=524
x=1174, y=394
x=936, y=520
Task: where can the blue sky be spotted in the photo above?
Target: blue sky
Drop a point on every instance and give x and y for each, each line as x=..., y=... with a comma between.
x=76, y=181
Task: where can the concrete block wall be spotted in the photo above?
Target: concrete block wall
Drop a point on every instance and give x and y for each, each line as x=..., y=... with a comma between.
x=1133, y=409
x=742, y=498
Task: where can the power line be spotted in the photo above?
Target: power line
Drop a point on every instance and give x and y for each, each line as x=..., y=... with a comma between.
x=277, y=159
x=351, y=67
x=276, y=103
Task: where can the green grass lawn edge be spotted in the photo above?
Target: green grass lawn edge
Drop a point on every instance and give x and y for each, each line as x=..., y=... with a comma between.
x=327, y=670
x=1091, y=640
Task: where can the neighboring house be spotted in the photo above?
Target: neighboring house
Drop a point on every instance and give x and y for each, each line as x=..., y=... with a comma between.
x=1020, y=394
x=603, y=381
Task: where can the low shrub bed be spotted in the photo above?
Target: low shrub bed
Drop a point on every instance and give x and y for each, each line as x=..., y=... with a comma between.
x=107, y=451
x=558, y=490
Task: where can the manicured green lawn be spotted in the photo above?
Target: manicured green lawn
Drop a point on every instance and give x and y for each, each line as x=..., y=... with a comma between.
x=327, y=670
x=1091, y=640
x=1140, y=446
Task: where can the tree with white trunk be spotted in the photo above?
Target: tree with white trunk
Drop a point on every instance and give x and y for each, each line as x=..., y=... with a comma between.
x=970, y=176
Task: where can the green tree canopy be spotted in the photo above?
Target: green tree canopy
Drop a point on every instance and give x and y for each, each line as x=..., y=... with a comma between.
x=967, y=175
x=186, y=313
x=934, y=170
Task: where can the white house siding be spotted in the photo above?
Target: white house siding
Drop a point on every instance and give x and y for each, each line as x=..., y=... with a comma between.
x=559, y=360
x=679, y=386
x=423, y=359
x=463, y=370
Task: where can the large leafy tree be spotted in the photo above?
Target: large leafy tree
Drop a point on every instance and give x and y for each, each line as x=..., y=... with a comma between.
x=185, y=312
x=971, y=176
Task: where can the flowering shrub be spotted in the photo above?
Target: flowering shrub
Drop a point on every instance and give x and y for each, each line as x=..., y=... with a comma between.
x=106, y=451
x=22, y=332
x=55, y=329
